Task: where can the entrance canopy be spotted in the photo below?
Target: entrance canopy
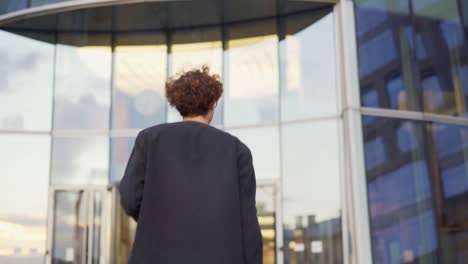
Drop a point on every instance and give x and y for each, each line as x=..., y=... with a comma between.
x=167, y=16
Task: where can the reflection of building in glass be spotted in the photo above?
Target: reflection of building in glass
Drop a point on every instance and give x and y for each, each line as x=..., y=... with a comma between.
x=355, y=112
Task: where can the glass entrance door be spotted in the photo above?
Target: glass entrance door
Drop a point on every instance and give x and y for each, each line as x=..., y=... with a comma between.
x=76, y=226
x=266, y=199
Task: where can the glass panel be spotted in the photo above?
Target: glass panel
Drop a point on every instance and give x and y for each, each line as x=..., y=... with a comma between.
x=83, y=78
x=192, y=49
x=26, y=82
x=264, y=145
x=251, y=68
x=45, y=2
x=417, y=194
x=311, y=193
x=421, y=55
x=310, y=88
x=121, y=147
x=12, y=5
x=439, y=25
x=139, y=78
x=451, y=144
x=80, y=160
x=266, y=211
x=386, y=55
x=25, y=161
x=70, y=228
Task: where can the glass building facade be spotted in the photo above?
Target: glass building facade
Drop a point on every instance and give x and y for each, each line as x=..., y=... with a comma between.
x=354, y=111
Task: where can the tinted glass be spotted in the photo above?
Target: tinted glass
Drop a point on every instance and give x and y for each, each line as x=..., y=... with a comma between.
x=80, y=160
x=311, y=193
x=26, y=82
x=438, y=24
x=309, y=61
x=12, y=5
x=192, y=49
x=24, y=160
x=82, y=84
x=139, y=78
x=264, y=145
x=386, y=54
x=412, y=55
x=251, y=74
x=44, y=2
x=121, y=147
x=417, y=191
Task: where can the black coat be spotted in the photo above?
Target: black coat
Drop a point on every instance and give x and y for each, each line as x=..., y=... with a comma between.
x=191, y=188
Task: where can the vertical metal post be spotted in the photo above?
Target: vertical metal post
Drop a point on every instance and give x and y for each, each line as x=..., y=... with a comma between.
x=353, y=177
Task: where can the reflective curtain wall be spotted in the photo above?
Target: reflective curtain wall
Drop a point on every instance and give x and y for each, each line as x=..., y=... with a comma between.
x=413, y=57
x=74, y=102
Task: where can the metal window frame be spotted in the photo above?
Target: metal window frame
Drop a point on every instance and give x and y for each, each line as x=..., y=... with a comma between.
x=90, y=191
x=356, y=240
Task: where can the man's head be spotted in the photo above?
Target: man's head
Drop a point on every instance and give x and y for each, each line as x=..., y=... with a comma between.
x=195, y=93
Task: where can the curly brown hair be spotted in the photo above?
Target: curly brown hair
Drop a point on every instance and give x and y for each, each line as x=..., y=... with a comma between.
x=194, y=91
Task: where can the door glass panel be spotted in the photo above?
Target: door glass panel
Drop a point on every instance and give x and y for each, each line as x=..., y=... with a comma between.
x=311, y=193
x=70, y=227
x=266, y=211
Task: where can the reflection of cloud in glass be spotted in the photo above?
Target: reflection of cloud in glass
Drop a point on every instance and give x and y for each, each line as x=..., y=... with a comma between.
x=139, y=77
x=82, y=160
x=251, y=81
x=25, y=163
x=82, y=87
x=26, y=82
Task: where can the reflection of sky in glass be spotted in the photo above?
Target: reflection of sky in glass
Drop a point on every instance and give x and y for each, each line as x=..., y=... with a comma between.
x=310, y=171
x=376, y=53
x=455, y=180
x=396, y=92
x=406, y=137
x=25, y=83
x=121, y=147
x=374, y=152
x=370, y=99
x=368, y=19
x=82, y=87
x=185, y=57
x=310, y=71
x=415, y=234
x=433, y=95
x=405, y=186
x=452, y=33
x=251, y=81
x=264, y=145
x=139, y=78
x=24, y=190
x=447, y=139
x=80, y=160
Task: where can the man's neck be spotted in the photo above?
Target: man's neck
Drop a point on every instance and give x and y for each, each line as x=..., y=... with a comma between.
x=200, y=119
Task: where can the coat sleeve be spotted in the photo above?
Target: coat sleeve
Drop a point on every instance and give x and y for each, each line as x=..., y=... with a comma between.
x=251, y=235
x=133, y=181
